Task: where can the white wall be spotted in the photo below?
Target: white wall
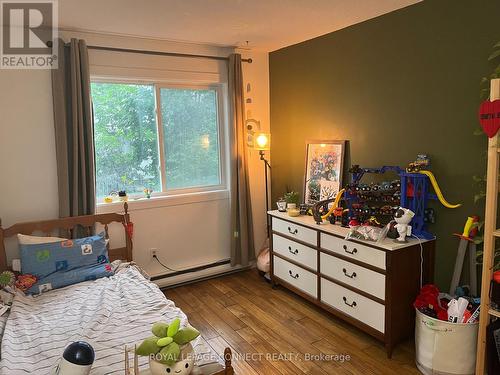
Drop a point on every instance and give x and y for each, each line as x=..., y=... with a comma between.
x=187, y=232
x=28, y=180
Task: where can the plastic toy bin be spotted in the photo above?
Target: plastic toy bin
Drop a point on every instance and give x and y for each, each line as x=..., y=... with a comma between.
x=444, y=348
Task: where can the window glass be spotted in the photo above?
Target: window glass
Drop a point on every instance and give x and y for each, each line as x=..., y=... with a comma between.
x=191, y=137
x=126, y=138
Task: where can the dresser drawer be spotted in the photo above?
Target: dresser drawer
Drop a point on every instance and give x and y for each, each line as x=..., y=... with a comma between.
x=351, y=274
x=353, y=250
x=299, y=232
x=361, y=308
x=295, y=251
x=296, y=276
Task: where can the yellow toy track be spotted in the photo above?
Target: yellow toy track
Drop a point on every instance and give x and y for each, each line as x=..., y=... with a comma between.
x=334, y=205
x=439, y=194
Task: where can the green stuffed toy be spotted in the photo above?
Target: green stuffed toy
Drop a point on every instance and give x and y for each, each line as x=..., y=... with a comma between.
x=7, y=278
x=169, y=348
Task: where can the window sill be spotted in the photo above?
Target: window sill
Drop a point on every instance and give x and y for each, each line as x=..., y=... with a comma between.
x=137, y=204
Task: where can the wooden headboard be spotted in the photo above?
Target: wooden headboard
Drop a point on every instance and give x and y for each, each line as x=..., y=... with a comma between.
x=67, y=227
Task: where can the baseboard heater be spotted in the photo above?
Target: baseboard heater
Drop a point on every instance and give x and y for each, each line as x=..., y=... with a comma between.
x=190, y=270
x=197, y=274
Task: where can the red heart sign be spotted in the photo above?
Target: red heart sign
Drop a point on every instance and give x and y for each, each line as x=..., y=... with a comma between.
x=489, y=117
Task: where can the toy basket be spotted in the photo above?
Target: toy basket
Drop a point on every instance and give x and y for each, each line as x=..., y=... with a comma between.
x=444, y=348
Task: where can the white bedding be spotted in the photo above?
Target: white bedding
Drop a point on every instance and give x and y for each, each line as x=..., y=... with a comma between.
x=108, y=313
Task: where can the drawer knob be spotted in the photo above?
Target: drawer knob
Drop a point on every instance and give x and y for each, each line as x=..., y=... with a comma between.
x=294, y=252
x=296, y=276
x=295, y=231
x=354, y=251
x=353, y=304
x=351, y=276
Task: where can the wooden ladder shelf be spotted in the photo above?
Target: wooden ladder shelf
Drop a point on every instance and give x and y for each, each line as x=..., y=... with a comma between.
x=491, y=232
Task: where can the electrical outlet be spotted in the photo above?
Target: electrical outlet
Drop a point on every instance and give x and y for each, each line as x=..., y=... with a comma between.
x=153, y=252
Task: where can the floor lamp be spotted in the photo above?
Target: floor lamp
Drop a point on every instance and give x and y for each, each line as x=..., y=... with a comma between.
x=263, y=143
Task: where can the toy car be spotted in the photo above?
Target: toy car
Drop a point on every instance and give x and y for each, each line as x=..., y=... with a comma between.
x=386, y=210
x=396, y=184
x=422, y=162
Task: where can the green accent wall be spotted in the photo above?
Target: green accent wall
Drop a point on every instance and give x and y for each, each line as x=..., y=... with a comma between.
x=395, y=86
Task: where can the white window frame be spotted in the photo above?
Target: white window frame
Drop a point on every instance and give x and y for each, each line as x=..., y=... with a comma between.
x=222, y=131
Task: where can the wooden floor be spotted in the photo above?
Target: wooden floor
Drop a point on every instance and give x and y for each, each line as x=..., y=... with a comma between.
x=277, y=332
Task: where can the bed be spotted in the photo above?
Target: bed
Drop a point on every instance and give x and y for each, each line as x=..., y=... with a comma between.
x=109, y=313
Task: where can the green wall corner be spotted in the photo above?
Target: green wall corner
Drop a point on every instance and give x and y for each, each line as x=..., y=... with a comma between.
x=395, y=86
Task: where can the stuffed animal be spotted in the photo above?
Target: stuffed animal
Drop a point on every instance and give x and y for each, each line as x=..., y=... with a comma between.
x=403, y=217
x=7, y=278
x=169, y=348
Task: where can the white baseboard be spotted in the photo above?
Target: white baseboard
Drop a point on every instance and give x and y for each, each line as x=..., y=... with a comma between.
x=208, y=273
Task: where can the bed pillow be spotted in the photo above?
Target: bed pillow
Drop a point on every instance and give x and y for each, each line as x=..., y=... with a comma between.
x=24, y=239
x=59, y=264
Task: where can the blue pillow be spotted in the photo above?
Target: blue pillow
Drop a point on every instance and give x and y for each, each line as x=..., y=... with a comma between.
x=59, y=264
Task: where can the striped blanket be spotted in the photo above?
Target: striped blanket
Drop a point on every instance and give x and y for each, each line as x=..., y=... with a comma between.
x=108, y=313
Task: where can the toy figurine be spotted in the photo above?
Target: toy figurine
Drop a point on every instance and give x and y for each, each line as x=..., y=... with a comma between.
x=338, y=215
x=403, y=217
x=320, y=208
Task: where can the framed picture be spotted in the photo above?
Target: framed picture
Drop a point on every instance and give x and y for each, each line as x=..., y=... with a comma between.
x=324, y=166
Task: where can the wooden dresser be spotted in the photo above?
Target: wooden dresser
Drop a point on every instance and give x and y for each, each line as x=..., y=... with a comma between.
x=370, y=285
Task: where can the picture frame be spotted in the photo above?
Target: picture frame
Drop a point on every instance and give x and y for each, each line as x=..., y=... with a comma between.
x=324, y=169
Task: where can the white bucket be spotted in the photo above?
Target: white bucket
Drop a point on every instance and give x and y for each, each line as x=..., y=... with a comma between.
x=444, y=348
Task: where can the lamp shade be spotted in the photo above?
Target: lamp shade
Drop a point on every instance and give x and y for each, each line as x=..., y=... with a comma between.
x=262, y=141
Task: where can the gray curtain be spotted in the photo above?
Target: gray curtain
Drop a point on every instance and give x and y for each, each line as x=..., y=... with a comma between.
x=242, y=246
x=74, y=130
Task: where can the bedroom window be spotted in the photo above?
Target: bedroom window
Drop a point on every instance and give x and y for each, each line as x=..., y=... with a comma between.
x=175, y=149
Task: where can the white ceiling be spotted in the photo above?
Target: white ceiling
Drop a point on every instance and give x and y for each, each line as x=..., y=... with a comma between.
x=267, y=24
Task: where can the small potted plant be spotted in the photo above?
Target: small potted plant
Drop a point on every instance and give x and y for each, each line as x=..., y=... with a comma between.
x=169, y=349
x=292, y=201
x=148, y=192
x=292, y=197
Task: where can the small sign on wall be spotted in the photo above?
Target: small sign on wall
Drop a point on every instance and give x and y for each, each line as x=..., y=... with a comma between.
x=489, y=117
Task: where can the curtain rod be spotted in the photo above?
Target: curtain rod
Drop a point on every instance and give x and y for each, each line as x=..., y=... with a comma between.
x=159, y=53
